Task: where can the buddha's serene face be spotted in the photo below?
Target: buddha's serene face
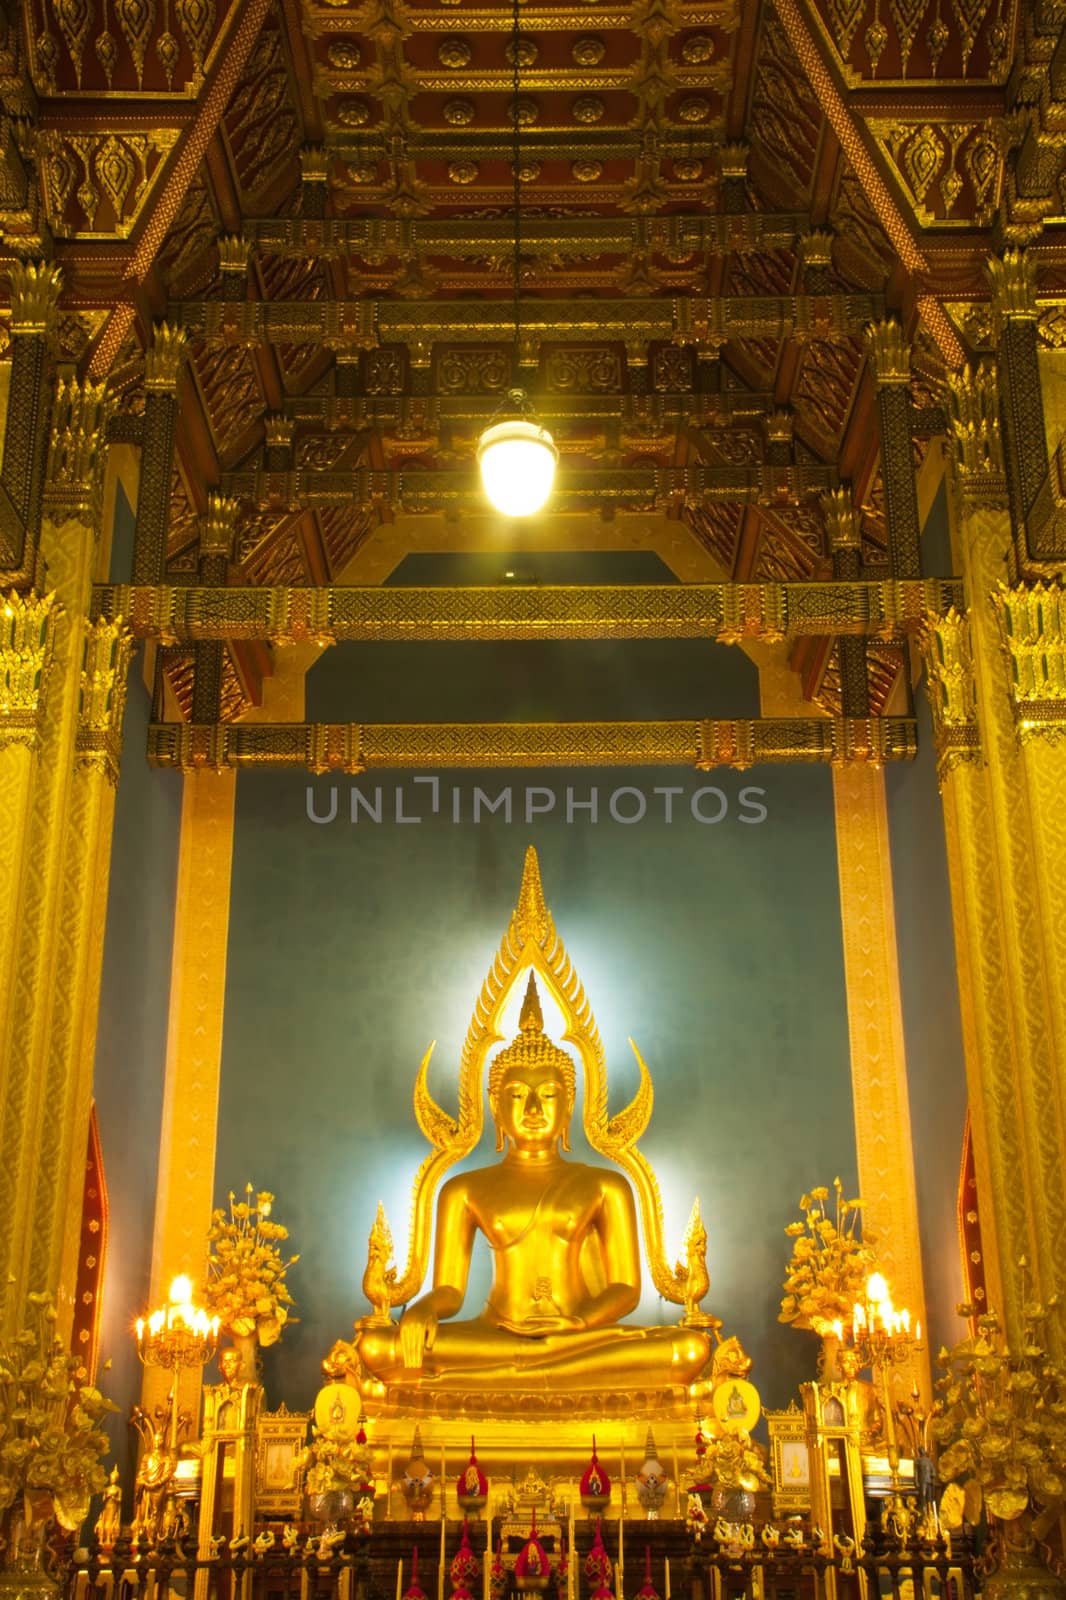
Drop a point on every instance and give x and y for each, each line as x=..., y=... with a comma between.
x=531, y=1108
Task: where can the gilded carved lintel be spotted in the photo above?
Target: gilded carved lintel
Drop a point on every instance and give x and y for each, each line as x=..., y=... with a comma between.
x=1032, y=617
x=947, y=651
x=888, y=351
x=352, y=748
x=1013, y=278
x=102, y=700
x=218, y=525
x=35, y=288
x=76, y=451
x=164, y=358
x=26, y=636
x=975, y=442
x=841, y=522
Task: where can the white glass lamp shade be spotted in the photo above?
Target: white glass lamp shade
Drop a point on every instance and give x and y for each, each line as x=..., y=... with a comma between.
x=517, y=460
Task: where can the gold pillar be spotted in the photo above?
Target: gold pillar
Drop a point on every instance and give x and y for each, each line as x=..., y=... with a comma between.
x=194, y=1049
x=1002, y=760
x=875, y=1026
x=62, y=872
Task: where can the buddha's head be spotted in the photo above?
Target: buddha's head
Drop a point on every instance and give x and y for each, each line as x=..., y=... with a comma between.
x=531, y=1086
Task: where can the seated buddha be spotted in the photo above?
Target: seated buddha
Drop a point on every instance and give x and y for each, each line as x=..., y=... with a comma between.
x=566, y=1260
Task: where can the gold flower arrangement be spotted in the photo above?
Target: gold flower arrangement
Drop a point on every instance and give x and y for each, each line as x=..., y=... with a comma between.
x=51, y=1440
x=830, y=1262
x=246, y=1286
x=1002, y=1428
x=335, y=1460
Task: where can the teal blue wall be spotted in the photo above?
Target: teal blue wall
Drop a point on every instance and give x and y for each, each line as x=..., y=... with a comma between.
x=716, y=947
x=932, y=1026
x=132, y=1034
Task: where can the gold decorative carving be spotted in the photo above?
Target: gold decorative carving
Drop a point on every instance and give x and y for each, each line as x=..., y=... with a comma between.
x=974, y=441
x=219, y=525
x=1033, y=620
x=74, y=477
x=165, y=359
x=102, y=702
x=345, y=747
x=945, y=643
x=234, y=253
x=35, y=290
x=889, y=353
x=96, y=185
x=26, y=637
x=841, y=521
x=1013, y=278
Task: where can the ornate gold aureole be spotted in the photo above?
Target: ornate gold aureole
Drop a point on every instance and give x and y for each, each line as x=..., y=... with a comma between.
x=532, y=944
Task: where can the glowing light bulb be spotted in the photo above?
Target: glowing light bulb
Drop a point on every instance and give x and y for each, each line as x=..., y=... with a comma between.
x=181, y=1291
x=517, y=460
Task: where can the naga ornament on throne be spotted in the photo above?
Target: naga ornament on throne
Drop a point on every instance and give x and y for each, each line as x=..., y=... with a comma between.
x=564, y=1235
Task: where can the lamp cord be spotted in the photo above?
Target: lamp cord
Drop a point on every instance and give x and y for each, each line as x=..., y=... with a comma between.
x=515, y=156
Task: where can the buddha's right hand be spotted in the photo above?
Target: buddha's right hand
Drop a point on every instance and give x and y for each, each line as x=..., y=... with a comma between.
x=418, y=1329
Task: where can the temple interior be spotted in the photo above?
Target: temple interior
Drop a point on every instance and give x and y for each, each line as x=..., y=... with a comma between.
x=532, y=755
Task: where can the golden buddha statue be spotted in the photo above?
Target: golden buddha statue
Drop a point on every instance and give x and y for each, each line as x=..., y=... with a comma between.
x=566, y=1257
x=568, y=1241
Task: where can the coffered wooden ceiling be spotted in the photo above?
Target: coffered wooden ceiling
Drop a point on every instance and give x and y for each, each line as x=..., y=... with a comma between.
x=717, y=196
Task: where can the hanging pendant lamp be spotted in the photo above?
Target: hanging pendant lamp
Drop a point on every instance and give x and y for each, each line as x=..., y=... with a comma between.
x=516, y=455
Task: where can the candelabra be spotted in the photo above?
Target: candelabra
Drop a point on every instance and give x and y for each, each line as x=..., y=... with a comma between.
x=179, y=1336
x=879, y=1337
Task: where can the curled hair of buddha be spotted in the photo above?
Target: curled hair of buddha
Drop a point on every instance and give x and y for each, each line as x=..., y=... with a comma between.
x=531, y=1047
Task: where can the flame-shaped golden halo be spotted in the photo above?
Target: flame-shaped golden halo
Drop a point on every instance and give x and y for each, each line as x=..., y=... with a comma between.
x=531, y=943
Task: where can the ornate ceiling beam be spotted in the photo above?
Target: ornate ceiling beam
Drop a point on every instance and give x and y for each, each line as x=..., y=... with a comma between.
x=236, y=38
x=353, y=747
x=625, y=488
x=725, y=410
x=364, y=324
x=478, y=237
x=726, y=612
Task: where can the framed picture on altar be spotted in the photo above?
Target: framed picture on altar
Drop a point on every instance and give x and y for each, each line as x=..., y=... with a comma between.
x=279, y=1473
x=790, y=1460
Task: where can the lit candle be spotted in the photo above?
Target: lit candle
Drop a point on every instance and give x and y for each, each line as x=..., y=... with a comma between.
x=666, y=1585
x=677, y=1481
x=140, y=1330
x=918, y=1333
x=399, y=1582
x=486, y=1570
x=388, y=1485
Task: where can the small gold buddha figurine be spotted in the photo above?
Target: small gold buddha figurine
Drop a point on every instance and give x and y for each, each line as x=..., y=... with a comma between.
x=566, y=1258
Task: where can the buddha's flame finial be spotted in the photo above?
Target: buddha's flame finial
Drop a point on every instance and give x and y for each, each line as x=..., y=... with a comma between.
x=531, y=920
x=532, y=1018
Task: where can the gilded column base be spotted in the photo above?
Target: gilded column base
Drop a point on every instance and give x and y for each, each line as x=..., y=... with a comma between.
x=1022, y=1577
